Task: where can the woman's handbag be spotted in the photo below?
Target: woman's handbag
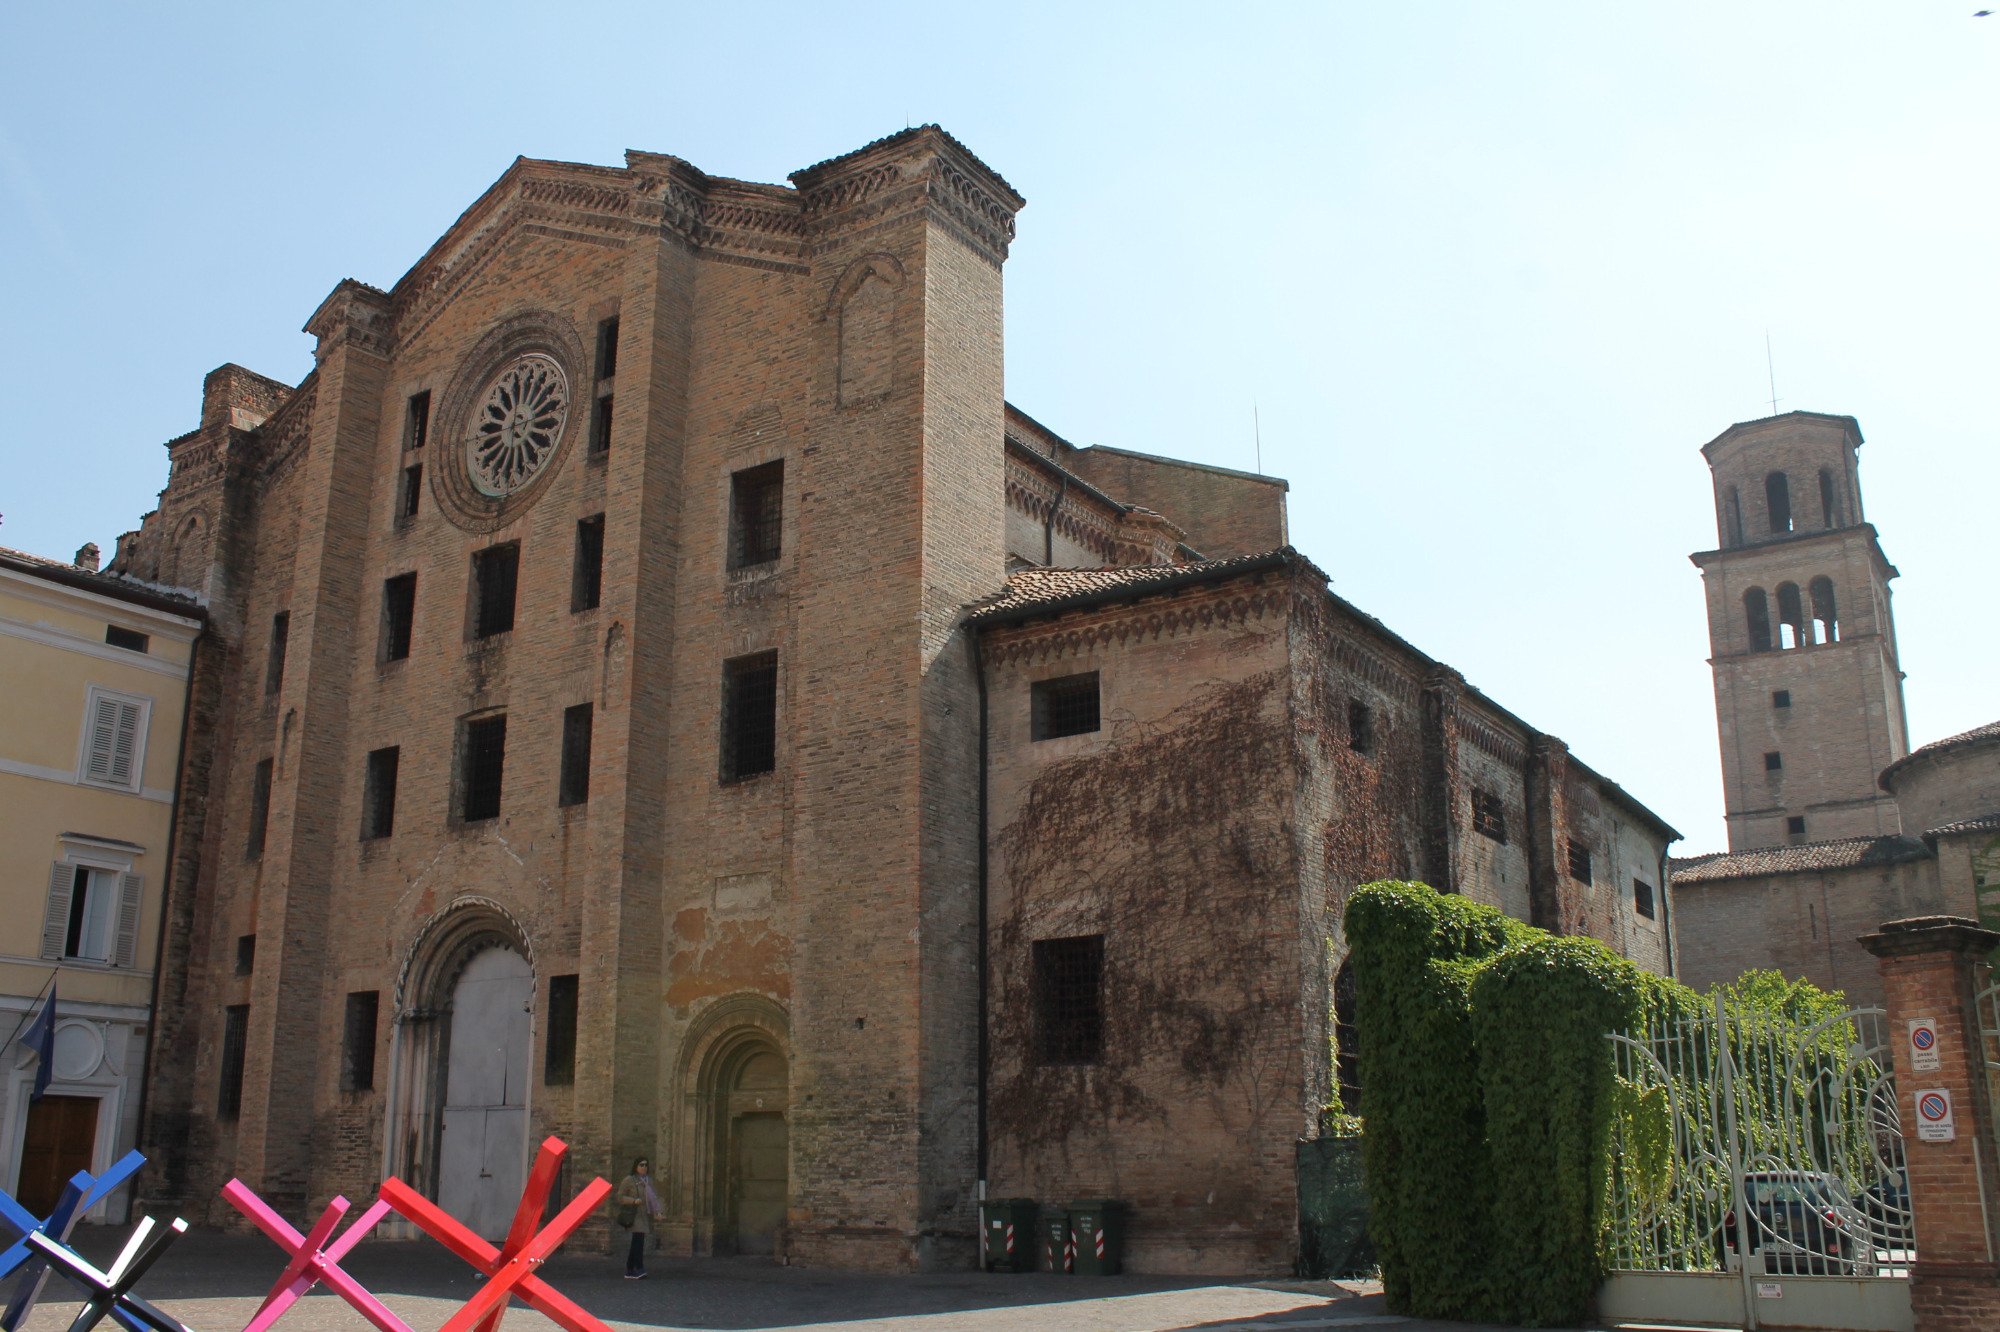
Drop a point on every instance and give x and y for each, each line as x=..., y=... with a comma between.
x=628, y=1212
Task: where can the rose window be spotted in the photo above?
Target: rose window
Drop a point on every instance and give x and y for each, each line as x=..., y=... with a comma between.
x=517, y=425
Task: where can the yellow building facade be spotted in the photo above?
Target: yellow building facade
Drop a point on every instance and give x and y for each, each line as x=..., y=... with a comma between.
x=94, y=672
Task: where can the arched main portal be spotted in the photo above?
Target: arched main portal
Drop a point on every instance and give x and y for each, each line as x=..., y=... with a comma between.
x=483, y=1126
x=459, y=1085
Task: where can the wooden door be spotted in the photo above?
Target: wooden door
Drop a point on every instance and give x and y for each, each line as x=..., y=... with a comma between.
x=61, y=1140
x=759, y=1168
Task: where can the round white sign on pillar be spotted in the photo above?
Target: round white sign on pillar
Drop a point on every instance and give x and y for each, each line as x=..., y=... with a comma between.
x=1934, y=1117
x=1924, y=1045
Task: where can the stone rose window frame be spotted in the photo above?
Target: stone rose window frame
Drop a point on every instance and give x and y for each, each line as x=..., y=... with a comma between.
x=508, y=422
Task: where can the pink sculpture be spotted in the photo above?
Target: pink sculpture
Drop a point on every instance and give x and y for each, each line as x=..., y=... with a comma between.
x=310, y=1259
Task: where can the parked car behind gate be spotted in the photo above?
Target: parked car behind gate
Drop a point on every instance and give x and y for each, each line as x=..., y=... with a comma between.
x=1804, y=1223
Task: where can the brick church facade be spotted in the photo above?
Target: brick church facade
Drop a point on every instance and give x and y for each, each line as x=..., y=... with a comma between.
x=659, y=693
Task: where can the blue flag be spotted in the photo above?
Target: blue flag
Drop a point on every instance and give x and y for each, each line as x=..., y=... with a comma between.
x=40, y=1036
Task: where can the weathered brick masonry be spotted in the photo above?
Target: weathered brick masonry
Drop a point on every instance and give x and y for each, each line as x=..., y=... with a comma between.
x=413, y=927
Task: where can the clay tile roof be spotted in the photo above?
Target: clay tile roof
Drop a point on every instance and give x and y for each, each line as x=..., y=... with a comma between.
x=1984, y=823
x=177, y=600
x=1033, y=592
x=1977, y=735
x=1805, y=858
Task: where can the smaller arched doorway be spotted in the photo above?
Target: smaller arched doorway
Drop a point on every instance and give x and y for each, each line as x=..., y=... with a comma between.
x=753, y=1148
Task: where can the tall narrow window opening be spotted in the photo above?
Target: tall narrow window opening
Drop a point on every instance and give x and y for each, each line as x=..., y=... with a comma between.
x=417, y=421
x=246, y=954
x=1360, y=727
x=495, y=574
x=413, y=492
x=378, y=793
x=574, y=788
x=260, y=807
x=1778, y=502
x=1826, y=622
x=399, y=611
x=482, y=754
x=274, y=657
x=607, y=348
x=756, y=512
x=586, y=581
x=235, y=1037
x=1757, y=616
x=1642, y=898
x=1791, y=617
x=1734, y=533
x=357, y=1041
x=1828, y=505
x=1489, y=816
x=749, y=716
x=559, y=1054
x=1069, y=999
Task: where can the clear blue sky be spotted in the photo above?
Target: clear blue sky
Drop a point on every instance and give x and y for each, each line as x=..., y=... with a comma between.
x=1489, y=275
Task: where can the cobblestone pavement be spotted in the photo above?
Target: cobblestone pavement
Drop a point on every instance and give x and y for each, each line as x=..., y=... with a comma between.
x=214, y=1282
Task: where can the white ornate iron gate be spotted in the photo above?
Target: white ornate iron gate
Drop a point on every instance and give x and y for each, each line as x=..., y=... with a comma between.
x=1757, y=1175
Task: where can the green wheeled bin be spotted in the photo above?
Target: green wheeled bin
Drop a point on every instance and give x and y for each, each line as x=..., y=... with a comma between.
x=1058, y=1253
x=1097, y=1229
x=1009, y=1227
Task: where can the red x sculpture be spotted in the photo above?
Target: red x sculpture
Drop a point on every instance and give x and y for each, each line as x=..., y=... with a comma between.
x=511, y=1267
x=310, y=1259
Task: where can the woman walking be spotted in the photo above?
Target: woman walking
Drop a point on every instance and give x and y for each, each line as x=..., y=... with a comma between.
x=638, y=1212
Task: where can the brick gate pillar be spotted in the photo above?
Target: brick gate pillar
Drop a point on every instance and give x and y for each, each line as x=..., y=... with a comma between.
x=1927, y=967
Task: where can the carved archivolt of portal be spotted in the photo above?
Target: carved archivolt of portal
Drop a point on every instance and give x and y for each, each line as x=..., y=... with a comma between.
x=506, y=421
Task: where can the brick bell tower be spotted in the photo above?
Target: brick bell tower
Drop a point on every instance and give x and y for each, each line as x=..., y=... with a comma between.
x=1808, y=686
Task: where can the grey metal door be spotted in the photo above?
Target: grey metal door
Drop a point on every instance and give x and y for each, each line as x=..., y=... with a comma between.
x=483, y=1152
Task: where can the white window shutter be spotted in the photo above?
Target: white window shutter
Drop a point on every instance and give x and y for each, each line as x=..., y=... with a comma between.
x=126, y=746
x=55, y=925
x=126, y=951
x=103, y=740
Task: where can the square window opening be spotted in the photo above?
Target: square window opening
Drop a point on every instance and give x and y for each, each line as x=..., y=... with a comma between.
x=482, y=761
x=749, y=716
x=756, y=513
x=1064, y=706
x=1069, y=1000
x=1579, y=861
x=1781, y=698
x=1795, y=826
x=495, y=576
x=1773, y=761
x=1489, y=816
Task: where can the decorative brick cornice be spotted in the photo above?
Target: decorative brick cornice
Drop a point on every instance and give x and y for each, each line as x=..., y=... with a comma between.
x=353, y=315
x=1487, y=737
x=922, y=168
x=1173, y=616
x=286, y=433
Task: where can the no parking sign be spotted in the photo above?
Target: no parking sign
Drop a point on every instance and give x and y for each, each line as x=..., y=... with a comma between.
x=1923, y=1045
x=1934, y=1118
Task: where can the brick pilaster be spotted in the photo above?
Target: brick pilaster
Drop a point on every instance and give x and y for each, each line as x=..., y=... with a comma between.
x=1928, y=967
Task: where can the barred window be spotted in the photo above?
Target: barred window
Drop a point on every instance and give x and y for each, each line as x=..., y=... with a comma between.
x=1065, y=706
x=495, y=572
x=749, y=716
x=1489, y=818
x=417, y=422
x=235, y=1036
x=482, y=757
x=574, y=788
x=1642, y=898
x=357, y=1041
x=1069, y=1000
x=559, y=1055
x=756, y=511
x=1579, y=861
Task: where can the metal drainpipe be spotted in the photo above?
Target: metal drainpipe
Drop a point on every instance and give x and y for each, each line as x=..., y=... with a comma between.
x=1049, y=528
x=1667, y=907
x=979, y=675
